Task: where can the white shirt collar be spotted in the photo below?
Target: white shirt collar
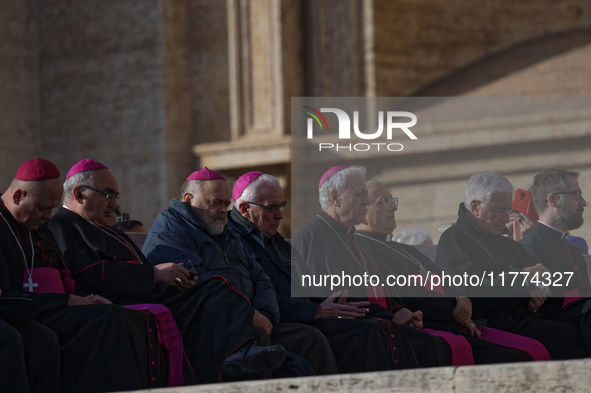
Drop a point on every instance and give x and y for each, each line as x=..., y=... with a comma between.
x=551, y=227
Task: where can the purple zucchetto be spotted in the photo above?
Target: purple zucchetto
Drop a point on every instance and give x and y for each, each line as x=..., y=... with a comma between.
x=331, y=171
x=205, y=174
x=84, y=165
x=36, y=170
x=243, y=182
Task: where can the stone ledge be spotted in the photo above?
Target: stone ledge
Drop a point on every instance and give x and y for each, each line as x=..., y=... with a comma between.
x=538, y=377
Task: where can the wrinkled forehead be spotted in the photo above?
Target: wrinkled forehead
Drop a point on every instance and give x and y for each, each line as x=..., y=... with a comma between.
x=104, y=179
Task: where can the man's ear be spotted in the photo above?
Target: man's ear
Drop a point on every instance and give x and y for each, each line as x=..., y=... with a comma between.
x=334, y=198
x=243, y=209
x=553, y=200
x=188, y=197
x=18, y=196
x=475, y=207
x=77, y=194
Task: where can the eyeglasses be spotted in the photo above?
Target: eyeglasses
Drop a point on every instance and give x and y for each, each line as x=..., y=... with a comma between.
x=498, y=212
x=388, y=201
x=271, y=208
x=108, y=195
x=576, y=193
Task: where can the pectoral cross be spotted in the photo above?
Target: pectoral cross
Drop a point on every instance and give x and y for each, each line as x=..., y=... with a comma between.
x=30, y=285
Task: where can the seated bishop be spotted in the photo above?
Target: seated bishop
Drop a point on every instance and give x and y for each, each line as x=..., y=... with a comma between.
x=31, y=263
x=215, y=319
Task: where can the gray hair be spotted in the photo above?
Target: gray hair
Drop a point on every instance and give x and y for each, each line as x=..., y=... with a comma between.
x=338, y=182
x=549, y=181
x=85, y=178
x=483, y=186
x=373, y=182
x=250, y=193
x=413, y=236
x=192, y=186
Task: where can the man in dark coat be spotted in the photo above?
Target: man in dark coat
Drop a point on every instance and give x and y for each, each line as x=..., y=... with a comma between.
x=30, y=261
x=105, y=261
x=329, y=249
x=358, y=344
x=559, y=202
x=474, y=246
x=193, y=230
x=29, y=352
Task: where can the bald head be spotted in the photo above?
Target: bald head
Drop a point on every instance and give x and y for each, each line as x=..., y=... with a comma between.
x=31, y=203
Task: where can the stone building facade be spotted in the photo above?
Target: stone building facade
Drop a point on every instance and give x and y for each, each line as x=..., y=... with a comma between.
x=158, y=88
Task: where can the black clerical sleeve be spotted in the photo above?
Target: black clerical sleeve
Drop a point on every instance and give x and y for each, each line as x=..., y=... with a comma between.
x=99, y=263
x=464, y=249
x=562, y=258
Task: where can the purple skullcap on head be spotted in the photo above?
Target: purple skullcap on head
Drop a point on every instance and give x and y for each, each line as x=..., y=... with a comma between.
x=331, y=171
x=86, y=164
x=37, y=169
x=243, y=182
x=205, y=174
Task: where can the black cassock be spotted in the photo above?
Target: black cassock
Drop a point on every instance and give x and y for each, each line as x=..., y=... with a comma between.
x=465, y=248
x=359, y=345
x=29, y=352
x=569, y=280
x=213, y=317
x=329, y=248
x=103, y=347
x=392, y=258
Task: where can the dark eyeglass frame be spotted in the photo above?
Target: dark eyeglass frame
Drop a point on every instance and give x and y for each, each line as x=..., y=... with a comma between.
x=577, y=194
x=388, y=201
x=271, y=208
x=498, y=211
x=108, y=195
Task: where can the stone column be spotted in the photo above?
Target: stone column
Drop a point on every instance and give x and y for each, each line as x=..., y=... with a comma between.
x=19, y=86
x=101, y=94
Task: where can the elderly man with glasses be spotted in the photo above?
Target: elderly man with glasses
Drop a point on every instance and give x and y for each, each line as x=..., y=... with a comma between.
x=193, y=230
x=328, y=248
x=559, y=202
x=440, y=310
x=357, y=343
x=215, y=320
x=502, y=276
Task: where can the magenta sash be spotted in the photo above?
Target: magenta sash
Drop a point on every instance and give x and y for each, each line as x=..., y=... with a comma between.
x=49, y=280
x=461, y=351
x=533, y=347
x=44, y=280
x=169, y=339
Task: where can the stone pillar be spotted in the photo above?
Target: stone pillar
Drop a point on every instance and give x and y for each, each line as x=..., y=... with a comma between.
x=338, y=48
x=179, y=90
x=258, y=134
x=101, y=94
x=19, y=86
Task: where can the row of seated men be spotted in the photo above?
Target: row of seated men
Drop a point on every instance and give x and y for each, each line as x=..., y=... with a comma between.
x=208, y=297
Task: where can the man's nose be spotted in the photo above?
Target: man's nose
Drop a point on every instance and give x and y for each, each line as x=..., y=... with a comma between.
x=278, y=215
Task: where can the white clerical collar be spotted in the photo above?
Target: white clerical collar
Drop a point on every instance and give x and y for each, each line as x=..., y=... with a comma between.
x=551, y=227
